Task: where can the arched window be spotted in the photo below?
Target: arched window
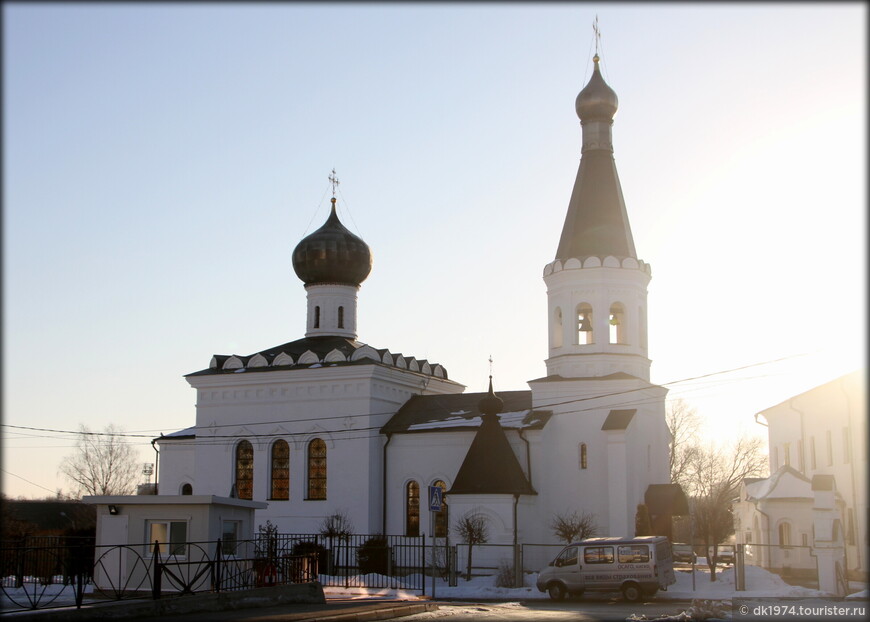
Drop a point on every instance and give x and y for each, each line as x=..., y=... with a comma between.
x=584, y=324
x=617, y=323
x=784, y=534
x=412, y=509
x=186, y=489
x=341, y=317
x=317, y=469
x=316, y=317
x=582, y=450
x=280, y=470
x=557, y=328
x=245, y=470
x=441, y=516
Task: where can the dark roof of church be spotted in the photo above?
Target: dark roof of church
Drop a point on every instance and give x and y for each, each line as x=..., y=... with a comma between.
x=318, y=352
x=596, y=222
x=460, y=411
x=618, y=419
x=491, y=466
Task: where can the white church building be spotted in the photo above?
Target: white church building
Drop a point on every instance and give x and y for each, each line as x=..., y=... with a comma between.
x=329, y=423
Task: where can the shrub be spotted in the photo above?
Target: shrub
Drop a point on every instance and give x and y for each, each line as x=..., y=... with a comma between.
x=505, y=576
x=374, y=556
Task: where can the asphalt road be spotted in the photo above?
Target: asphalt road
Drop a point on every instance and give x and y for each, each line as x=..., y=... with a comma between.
x=588, y=610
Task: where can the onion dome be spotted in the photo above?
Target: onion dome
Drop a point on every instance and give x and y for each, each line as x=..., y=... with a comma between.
x=597, y=101
x=332, y=254
x=491, y=404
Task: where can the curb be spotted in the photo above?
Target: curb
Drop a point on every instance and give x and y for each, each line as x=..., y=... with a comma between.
x=366, y=615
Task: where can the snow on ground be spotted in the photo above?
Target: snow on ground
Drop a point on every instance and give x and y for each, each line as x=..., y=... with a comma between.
x=760, y=582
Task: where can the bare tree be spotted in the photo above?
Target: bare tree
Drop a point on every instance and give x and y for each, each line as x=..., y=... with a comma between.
x=336, y=526
x=713, y=476
x=571, y=526
x=472, y=529
x=642, y=521
x=103, y=463
x=684, y=425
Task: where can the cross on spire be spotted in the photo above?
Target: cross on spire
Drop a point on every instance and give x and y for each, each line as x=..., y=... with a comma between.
x=334, y=181
x=490, y=365
x=597, y=33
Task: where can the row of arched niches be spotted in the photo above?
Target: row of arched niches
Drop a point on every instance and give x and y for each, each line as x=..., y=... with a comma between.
x=312, y=359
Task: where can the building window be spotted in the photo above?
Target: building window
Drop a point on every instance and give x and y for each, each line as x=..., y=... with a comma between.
x=186, y=489
x=786, y=453
x=829, y=448
x=747, y=537
x=804, y=539
x=245, y=470
x=230, y=530
x=847, y=455
x=850, y=526
x=557, y=328
x=585, y=333
x=784, y=534
x=582, y=449
x=317, y=469
x=441, y=516
x=280, y=471
x=341, y=317
x=813, y=452
x=167, y=537
x=412, y=509
x=316, y=317
x=616, y=320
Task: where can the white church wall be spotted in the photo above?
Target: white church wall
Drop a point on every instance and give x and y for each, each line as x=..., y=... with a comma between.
x=176, y=466
x=824, y=432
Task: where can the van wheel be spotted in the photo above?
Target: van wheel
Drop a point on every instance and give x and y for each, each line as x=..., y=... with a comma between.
x=631, y=592
x=556, y=591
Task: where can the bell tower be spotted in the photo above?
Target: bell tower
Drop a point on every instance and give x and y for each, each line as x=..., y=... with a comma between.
x=596, y=285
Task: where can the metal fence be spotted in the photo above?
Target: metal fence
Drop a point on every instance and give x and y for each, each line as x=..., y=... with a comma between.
x=58, y=573
x=358, y=560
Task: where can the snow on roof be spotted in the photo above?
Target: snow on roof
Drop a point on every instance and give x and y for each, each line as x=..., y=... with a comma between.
x=513, y=420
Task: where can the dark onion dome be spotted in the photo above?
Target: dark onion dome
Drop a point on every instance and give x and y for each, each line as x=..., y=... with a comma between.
x=332, y=254
x=597, y=101
x=491, y=404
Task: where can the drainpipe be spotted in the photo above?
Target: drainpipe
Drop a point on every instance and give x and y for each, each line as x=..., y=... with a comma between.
x=518, y=572
x=384, y=485
x=156, y=462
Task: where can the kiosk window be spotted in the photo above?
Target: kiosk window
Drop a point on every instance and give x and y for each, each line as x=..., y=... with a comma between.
x=598, y=555
x=633, y=554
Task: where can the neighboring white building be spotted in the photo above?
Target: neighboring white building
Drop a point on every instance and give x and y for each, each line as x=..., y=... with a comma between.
x=328, y=423
x=822, y=431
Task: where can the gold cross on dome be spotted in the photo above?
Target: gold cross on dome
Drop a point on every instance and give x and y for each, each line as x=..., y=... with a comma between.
x=334, y=181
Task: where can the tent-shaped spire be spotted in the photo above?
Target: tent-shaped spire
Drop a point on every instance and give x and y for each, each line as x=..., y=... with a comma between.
x=490, y=466
x=596, y=222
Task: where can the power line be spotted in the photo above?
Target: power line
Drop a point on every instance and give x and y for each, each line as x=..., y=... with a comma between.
x=29, y=482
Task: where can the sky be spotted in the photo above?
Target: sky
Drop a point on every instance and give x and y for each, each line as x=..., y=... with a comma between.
x=161, y=162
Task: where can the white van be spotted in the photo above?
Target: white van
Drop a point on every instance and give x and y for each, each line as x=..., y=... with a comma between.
x=637, y=567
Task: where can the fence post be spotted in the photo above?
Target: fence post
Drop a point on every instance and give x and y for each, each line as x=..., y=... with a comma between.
x=216, y=569
x=155, y=583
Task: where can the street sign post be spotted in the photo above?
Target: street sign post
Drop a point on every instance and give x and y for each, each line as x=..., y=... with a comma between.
x=436, y=500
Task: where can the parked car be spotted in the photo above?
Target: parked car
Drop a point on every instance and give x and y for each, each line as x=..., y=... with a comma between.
x=725, y=555
x=637, y=567
x=683, y=553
